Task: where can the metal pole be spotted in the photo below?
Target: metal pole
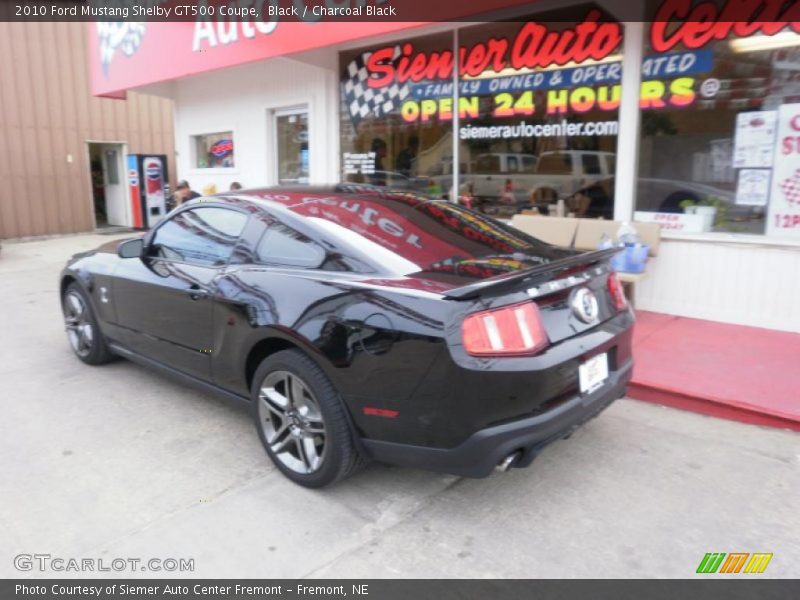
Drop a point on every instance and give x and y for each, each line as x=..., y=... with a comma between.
x=454, y=189
x=629, y=120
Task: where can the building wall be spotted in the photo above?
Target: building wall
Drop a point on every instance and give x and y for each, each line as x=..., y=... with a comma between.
x=241, y=99
x=47, y=115
x=744, y=283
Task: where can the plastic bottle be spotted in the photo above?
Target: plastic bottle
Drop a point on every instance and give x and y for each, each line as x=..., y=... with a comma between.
x=626, y=234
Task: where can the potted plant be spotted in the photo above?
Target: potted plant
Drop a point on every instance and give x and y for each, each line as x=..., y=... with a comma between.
x=714, y=209
x=688, y=206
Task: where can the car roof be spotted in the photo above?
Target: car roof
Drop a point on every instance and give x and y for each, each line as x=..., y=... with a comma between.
x=276, y=196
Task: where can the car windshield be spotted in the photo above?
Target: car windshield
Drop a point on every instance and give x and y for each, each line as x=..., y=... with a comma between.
x=405, y=233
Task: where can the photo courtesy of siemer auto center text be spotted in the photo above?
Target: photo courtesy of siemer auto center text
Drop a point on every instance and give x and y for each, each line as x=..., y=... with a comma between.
x=400, y=299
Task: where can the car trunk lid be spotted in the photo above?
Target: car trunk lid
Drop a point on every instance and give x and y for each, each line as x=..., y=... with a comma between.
x=571, y=293
x=508, y=281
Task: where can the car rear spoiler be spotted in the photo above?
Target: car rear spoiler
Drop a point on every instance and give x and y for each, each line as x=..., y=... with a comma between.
x=492, y=283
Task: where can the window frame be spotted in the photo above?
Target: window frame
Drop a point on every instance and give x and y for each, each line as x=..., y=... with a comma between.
x=194, y=205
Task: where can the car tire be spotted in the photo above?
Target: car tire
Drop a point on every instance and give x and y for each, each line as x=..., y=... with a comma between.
x=302, y=422
x=83, y=331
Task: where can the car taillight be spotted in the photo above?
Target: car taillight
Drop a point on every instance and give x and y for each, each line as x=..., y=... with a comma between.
x=511, y=330
x=617, y=292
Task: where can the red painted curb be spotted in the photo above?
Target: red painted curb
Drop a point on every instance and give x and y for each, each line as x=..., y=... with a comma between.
x=707, y=406
x=736, y=372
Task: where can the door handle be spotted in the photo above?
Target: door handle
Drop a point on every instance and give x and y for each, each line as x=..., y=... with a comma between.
x=197, y=293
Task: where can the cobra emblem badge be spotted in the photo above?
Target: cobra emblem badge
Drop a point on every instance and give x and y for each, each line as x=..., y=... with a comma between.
x=584, y=305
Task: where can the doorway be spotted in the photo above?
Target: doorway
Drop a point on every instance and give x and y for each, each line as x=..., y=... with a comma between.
x=109, y=185
x=291, y=145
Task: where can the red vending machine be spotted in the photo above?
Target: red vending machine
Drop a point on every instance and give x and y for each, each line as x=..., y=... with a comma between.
x=149, y=188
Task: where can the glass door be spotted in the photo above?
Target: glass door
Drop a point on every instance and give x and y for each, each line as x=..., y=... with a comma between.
x=291, y=145
x=114, y=189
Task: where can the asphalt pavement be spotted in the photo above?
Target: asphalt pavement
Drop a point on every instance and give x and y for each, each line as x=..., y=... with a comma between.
x=119, y=462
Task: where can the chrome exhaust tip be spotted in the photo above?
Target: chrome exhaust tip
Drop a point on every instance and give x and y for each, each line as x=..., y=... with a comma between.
x=504, y=465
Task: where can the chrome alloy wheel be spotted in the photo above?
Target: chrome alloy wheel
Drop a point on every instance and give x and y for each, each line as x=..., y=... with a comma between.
x=292, y=422
x=76, y=320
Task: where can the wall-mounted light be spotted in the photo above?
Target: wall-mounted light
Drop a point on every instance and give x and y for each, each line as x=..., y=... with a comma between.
x=758, y=43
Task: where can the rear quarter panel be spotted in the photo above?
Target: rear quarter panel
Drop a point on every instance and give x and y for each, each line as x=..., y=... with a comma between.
x=376, y=345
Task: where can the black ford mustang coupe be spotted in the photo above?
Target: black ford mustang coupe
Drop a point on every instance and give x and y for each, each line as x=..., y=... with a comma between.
x=363, y=324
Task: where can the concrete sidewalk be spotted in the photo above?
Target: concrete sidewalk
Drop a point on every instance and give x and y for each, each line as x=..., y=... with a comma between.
x=117, y=461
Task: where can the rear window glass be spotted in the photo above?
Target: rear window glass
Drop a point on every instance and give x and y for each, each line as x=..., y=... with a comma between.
x=405, y=233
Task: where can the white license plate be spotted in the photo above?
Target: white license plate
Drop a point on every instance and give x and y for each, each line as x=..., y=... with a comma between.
x=593, y=373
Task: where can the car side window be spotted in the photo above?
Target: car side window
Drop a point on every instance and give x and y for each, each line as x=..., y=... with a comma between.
x=591, y=164
x=528, y=164
x=281, y=245
x=556, y=163
x=204, y=236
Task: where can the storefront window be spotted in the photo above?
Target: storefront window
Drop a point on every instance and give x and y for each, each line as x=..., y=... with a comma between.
x=537, y=107
x=538, y=127
x=711, y=153
x=214, y=150
x=381, y=145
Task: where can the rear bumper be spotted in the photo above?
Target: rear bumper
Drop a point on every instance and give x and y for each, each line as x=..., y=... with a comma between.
x=482, y=451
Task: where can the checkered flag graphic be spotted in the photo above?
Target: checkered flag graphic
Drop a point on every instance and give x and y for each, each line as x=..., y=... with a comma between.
x=362, y=100
x=126, y=37
x=791, y=188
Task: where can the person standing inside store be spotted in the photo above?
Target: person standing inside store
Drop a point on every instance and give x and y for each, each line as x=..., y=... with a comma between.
x=378, y=177
x=184, y=193
x=405, y=158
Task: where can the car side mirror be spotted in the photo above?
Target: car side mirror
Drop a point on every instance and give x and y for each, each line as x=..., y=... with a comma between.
x=131, y=248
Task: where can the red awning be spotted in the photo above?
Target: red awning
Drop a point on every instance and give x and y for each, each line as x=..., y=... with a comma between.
x=127, y=55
